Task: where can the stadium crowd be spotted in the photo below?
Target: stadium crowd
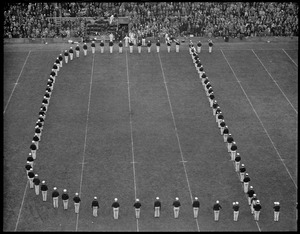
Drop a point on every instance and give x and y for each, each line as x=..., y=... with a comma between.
x=233, y=19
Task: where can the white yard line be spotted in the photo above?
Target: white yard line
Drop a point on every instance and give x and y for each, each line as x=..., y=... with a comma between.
x=19, y=215
x=131, y=135
x=261, y=122
x=290, y=57
x=16, y=82
x=275, y=82
x=177, y=136
x=85, y=137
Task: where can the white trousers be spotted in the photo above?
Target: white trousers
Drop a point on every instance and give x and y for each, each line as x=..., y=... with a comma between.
x=156, y=211
x=242, y=175
x=256, y=215
x=209, y=49
x=120, y=50
x=169, y=49
x=216, y=214
x=139, y=49
x=55, y=202
x=37, y=189
x=137, y=212
x=95, y=211
x=102, y=49
x=85, y=52
x=116, y=212
x=198, y=49
x=246, y=185
x=276, y=215
x=31, y=185
x=235, y=215
x=195, y=210
x=157, y=49
x=93, y=50
x=110, y=49
x=77, y=53
x=237, y=166
x=67, y=58
x=44, y=194
x=130, y=49
x=76, y=205
x=149, y=49
x=143, y=41
x=65, y=202
x=71, y=56
x=177, y=48
x=176, y=212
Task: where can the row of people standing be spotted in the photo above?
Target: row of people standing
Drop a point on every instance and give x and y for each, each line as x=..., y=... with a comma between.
x=244, y=178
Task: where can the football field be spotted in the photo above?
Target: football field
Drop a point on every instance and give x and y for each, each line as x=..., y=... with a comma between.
x=136, y=125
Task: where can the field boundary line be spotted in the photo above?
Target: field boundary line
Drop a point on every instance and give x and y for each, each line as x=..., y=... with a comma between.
x=261, y=122
x=85, y=137
x=131, y=135
x=290, y=57
x=23, y=199
x=177, y=136
x=16, y=82
x=275, y=82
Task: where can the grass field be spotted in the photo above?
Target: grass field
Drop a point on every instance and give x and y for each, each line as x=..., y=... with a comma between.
x=140, y=126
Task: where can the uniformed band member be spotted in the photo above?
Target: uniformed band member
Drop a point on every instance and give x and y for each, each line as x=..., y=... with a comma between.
x=149, y=46
x=33, y=149
x=235, y=208
x=257, y=208
x=126, y=38
x=44, y=189
x=233, y=149
x=36, y=139
x=65, y=199
x=176, y=208
x=93, y=46
x=253, y=202
x=55, y=195
x=169, y=45
x=116, y=207
x=120, y=47
x=210, y=45
x=196, y=206
x=139, y=46
x=211, y=99
x=95, y=206
x=143, y=40
x=225, y=133
x=54, y=68
x=30, y=178
x=76, y=200
x=30, y=160
x=237, y=161
x=242, y=172
x=36, y=182
x=71, y=52
x=157, y=46
x=102, y=46
x=276, y=208
x=77, y=50
x=157, y=207
x=222, y=126
x=57, y=62
x=246, y=182
x=85, y=49
x=199, y=44
x=60, y=57
x=229, y=142
x=217, y=207
x=130, y=46
x=111, y=46
x=137, y=205
x=250, y=193
x=27, y=167
x=177, y=45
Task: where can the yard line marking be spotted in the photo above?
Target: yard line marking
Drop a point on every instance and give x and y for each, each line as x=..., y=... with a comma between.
x=85, y=137
x=289, y=57
x=261, y=123
x=19, y=215
x=177, y=136
x=16, y=82
x=275, y=82
x=131, y=135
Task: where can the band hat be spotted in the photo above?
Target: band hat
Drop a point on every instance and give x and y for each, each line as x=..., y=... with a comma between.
x=65, y=190
x=233, y=203
x=54, y=188
x=176, y=198
x=95, y=198
x=116, y=199
x=157, y=198
x=237, y=203
x=43, y=182
x=137, y=199
x=36, y=175
x=76, y=194
x=196, y=198
x=217, y=201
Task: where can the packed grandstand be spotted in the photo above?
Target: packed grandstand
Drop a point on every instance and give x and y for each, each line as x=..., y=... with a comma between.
x=151, y=19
